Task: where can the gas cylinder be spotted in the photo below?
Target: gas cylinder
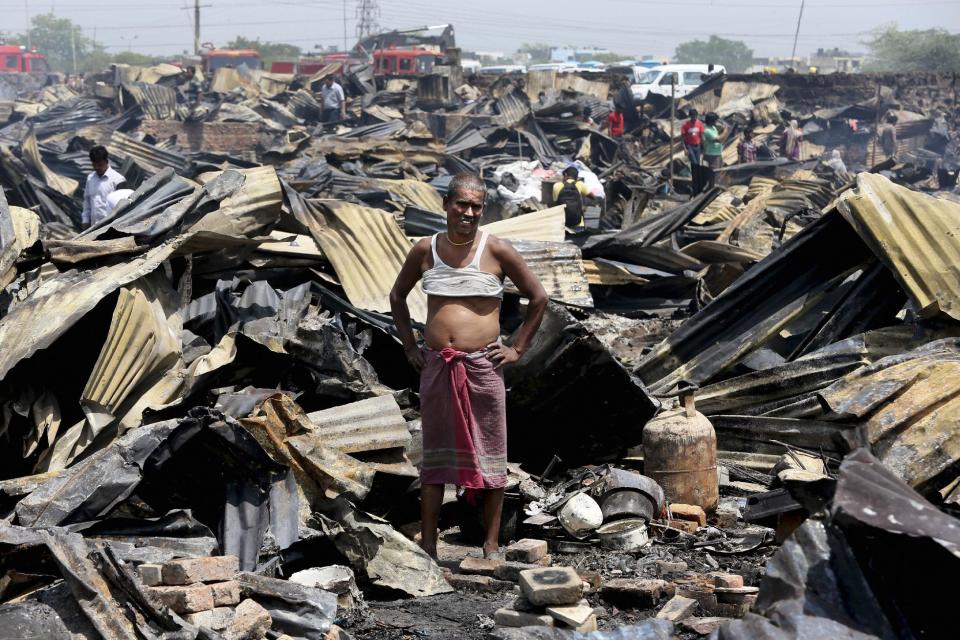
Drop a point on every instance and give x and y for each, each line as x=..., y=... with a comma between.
x=680, y=453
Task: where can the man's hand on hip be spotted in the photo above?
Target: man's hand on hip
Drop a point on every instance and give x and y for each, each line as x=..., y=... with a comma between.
x=501, y=354
x=415, y=358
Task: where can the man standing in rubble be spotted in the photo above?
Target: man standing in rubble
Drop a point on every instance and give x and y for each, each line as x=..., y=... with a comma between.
x=692, y=133
x=888, y=136
x=334, y=101
x=570, y=192
x=462, y=394
x=100, y=183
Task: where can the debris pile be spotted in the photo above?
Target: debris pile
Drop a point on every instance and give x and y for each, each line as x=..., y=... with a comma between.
x=738, y=412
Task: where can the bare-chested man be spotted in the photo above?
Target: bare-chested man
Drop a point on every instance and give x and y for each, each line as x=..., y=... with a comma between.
x=462, y=397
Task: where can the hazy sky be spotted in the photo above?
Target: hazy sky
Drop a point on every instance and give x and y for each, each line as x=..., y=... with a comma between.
x=631, y=27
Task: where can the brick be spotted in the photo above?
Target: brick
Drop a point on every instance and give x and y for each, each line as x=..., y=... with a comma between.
x=572, y=616
x=511, y=618
x=727, y=514
x=683, y=525
x=639, y=593
x=477, y=583
x=677, y=608
x=250, y=622
x=690, y=512
x=527, y=550
x=479, y=566
x=736, y=595
x=551, y=586
x=511, y=570
x=703, y=626
x=225, y=594
x=218, y=618
x=150, y=574
x=671, y=566
x=727, y=580
x=210, y=569
x=184, y=598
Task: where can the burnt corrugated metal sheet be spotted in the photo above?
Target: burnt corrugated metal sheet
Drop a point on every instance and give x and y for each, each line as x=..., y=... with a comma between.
x=366, y=248
x=147, y=155
x=908, y=406
x=558, y=267
x=545, y=226
x=157, y=102
x=372, y=424
x=915, y=235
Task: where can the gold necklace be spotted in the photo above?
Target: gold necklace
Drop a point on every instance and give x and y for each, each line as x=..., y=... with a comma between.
x=446, y=237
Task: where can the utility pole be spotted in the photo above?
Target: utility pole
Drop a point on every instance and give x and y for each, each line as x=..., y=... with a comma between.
x=367, y=13
x=793, y=54
x=196, y=24
x=73, y=47
x=344, y=25
x=26, y=9
x=196, y=27
x=673, y=117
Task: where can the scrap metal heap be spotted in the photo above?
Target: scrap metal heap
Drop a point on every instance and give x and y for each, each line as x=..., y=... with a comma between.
x=211, y=430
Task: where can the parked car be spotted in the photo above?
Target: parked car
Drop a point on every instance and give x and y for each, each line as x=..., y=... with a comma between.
x=685, y=77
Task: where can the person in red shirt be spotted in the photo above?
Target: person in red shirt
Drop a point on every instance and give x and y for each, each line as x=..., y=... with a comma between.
x=692, y=132
x=615, y=123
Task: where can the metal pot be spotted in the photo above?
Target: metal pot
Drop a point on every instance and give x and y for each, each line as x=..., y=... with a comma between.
x=581, y=516
x=624, y=535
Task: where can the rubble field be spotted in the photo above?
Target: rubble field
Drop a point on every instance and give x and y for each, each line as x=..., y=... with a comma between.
x=738, y=420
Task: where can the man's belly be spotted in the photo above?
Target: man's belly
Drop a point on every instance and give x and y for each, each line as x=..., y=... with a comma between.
x=465, y=324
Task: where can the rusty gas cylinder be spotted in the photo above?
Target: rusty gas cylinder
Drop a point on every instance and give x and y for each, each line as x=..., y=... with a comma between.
x=680, y=453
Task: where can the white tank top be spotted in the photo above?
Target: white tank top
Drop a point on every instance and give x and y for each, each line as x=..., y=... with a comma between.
x=461, y=282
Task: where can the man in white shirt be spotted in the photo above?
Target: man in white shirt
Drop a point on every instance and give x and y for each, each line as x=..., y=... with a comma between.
x=334, y=101
x=100, y=184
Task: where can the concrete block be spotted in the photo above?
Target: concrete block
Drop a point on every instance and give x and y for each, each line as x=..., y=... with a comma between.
x=218, y=618
x=727, y=514
x=590, y=624
x=477, y=583
x=184, y=598
x=511, y=570
x=690, y=512
x=640, y=593
x=511, y=618
x=150, y=574
x=527, y=550
x=191, y=570
x=671, y=566
x=479, y=566
x=572, y=616
x=551, y=586
x=250, y=622
x=677, y=608
x=225, y=594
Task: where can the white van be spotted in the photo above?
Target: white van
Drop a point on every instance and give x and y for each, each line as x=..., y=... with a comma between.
x=686, y=77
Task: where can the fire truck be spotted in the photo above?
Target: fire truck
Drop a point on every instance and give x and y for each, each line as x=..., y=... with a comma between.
x=17, y=59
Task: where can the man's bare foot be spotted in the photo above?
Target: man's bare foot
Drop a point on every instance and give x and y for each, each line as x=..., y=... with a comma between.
x=430, y=551
x=492, y=552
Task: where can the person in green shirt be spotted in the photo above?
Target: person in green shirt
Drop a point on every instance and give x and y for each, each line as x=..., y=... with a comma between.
x=712, y=147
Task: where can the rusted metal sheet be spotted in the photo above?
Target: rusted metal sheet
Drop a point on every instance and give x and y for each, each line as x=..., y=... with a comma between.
x=915, y=235
x=157, y=101
x=366, y=248
x=366, y=425
x=909, y=406
x=560, y=270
